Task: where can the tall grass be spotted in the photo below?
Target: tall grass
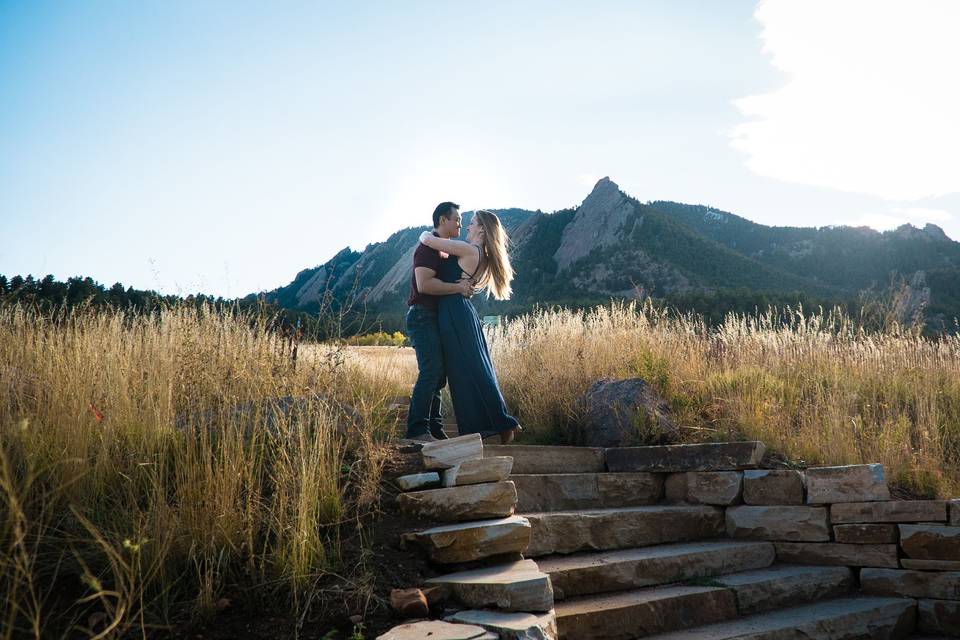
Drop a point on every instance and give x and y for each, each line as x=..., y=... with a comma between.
x=151, y=463
x=817, y=387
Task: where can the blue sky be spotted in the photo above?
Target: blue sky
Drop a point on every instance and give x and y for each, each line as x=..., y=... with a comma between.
x=223, y=146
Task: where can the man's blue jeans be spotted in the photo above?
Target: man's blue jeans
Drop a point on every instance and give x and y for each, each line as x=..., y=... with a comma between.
x=425, y=415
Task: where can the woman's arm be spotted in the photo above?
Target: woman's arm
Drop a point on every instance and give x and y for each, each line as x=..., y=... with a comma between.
x=457, y=248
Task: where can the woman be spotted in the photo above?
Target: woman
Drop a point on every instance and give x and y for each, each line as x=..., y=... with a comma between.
x=477, y=401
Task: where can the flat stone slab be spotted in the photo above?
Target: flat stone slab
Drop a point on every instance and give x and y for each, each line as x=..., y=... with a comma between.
x=711, y=456
x=798, y=524
x=836, y=553
x=566, y=491
x=415, y=481
x=839, y=619
x=437, y=630
x=866, y=533
x=444, y=454
x=705, y=487
x=786, y=585
x=890, y=511
x=943, y=585
x=513, y=586
x=469, y=541
x=600, y=529
x=591, y=573
x=632, y=614
x=511, y=625
x=549, y=458
x=772, y=487
x=939, y=616
x=930, y=565
x=848, y=483
x=458, y=504
x=930, y=541
x=493, y=469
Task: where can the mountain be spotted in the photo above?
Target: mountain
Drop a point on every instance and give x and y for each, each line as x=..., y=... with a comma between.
x=613, y=245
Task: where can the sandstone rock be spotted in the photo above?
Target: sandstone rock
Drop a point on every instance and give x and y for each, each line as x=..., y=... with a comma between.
x=704, y=487
x=492, y=469
x=418, y=481
x=409, y=603
x=786, y=585
x=865, y=533
x=799, y=524
x=511, y=625
x=849, y=483
x=470, y=502
x=851, y=555
x=513, y=586
x=930, y=542
x=437, y=630
x=549, y=458
x=772, y=487
x=939, y=616
x=626, y=412
x=566, y=491
x=930, y=565
x=469, y=541
x=444, y=454
x=943, y=585
x=891, y=511
x=711, y=456
x=955, y=512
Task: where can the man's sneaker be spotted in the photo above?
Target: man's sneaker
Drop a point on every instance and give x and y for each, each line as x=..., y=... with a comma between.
x=421, y=439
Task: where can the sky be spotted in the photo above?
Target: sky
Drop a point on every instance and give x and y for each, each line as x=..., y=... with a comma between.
x=221, y=147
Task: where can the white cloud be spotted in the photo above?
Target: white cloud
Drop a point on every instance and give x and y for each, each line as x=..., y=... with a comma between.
x=871, y=100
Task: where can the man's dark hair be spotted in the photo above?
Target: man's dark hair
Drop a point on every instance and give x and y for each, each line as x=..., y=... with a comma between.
x=443, y=210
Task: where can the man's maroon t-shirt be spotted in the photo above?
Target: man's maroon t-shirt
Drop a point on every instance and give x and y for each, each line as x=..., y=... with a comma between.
x=424, y=256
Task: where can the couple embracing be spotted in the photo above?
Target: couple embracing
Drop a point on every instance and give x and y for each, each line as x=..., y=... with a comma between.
x=445, y=329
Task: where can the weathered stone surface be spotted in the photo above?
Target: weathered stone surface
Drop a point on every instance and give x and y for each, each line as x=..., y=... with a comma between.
x=930, y=542
x=939, y=616
x=513, y=625
x=583, y=574
x=513, y=586
x=849, y=483
x=891, y=511
x=851, y=555
x=409, y=603
x=955, y=512
x=444, y=454
x=930, y=565
x=550, y=458
x=468, y=541
x=705, y=487
x=458, y=504
x=943, y=585
x=865, y=533
x=626, y=412
x=772, y=486
x=798, y=524
x=418, y=481
x=566, y=491
x=838, y=619
x=493, y=469
x=711, y=456
x=786, y=585
x=632, y=614
x=437, y=630
x=596, y=529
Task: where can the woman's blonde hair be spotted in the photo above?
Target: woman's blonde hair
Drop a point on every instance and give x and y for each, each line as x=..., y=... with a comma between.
x=498, y=273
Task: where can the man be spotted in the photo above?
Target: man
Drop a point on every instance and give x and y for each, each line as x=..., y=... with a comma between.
x=425, y=420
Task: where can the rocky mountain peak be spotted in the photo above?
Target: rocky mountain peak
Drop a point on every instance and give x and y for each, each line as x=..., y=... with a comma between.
x=597, y=223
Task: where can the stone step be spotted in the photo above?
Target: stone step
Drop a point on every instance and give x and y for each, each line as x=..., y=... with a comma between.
x=461, y=504
x=469, y=541
x=511, y=625
x=591, y=573
x=512, y=586
x=604, y=529
x=785, y=585
x=528, y=459
x=711, y=456
x=567, y=491
x=850, y=618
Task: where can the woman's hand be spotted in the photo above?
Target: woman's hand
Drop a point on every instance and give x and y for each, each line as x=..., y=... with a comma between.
x=426, y=236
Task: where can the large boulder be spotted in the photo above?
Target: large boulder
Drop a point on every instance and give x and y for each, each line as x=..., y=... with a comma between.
x=626, y=412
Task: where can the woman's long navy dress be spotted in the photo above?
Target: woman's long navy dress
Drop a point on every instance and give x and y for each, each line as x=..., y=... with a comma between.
x=477, y=401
